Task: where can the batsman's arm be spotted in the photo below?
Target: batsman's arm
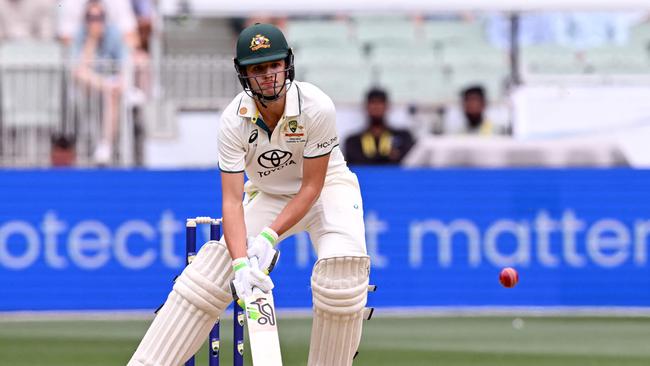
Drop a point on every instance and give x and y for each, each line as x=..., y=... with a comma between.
x=234, y=227
x=314, y=171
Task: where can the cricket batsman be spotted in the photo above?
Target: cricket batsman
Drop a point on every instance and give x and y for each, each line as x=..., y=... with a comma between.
x=281, y=133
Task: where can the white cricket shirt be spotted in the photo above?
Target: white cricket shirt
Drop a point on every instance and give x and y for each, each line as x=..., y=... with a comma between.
x=273, y=161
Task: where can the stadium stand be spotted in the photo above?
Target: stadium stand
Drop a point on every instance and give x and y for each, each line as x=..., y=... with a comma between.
x=423, y=61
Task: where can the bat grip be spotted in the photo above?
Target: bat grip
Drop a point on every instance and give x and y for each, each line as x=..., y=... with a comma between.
x=255, y=264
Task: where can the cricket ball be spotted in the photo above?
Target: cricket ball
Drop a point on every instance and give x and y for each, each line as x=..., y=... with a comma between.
x=508, y=277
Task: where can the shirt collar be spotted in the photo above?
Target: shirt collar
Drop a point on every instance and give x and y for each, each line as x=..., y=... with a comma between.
x=292, y=106
x=247, y=107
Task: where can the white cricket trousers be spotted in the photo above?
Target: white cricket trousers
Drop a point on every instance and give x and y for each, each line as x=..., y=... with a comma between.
x=334, y=223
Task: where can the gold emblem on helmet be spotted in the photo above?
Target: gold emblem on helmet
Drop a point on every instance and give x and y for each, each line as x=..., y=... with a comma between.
x=259, y=41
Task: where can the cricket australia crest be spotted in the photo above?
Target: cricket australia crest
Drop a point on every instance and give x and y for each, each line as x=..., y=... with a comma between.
x=294, y=132
x=259, y=41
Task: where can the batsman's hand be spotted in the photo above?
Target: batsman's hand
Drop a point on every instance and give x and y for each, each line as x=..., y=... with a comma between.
x=247, y=277
x=263, y=248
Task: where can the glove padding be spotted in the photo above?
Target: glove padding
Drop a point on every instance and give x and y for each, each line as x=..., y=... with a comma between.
x=247, y=277
x=263, y=248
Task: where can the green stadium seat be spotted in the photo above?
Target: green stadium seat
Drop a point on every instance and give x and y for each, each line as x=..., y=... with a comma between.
x=404, y=55
x=551, y=59
x=342, y=84
x=478, y=55
x=379, y=18
x=453, y=32
x=346, y=55
x=640, y=34
x=618, y=60
x=31, y=79
x=421, y=85
x=375, y=31
x=31, y=84
x=318, y=32
x=26, y=51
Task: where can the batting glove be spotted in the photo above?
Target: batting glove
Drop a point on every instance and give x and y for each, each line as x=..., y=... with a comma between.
x=247, y=277
x=263, y=248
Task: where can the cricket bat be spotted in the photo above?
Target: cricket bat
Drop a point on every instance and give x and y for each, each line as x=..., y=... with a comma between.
x=263, y=329
x=262, y=324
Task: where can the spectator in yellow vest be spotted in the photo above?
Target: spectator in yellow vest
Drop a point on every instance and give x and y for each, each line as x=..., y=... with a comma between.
x=472, y=117
x=378, y=144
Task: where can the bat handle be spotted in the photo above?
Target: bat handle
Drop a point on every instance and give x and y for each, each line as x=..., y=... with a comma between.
x=254, y=262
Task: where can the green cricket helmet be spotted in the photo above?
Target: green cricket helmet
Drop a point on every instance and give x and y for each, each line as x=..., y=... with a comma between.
x=258, y=44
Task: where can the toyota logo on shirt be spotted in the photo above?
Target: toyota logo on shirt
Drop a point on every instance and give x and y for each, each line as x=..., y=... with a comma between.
x=274, y=158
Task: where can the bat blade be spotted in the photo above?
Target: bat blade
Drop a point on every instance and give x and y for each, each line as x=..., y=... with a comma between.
x=263, y=329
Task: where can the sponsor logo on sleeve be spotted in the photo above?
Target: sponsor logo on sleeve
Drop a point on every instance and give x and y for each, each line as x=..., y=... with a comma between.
x=327, y=144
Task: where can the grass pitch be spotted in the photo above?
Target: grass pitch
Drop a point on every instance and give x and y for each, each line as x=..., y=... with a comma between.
x=449, y=341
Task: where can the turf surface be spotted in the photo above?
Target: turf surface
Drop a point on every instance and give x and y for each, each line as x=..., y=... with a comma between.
x=456, y=341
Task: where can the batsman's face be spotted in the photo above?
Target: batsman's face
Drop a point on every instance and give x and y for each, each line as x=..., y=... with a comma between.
x=267, y=78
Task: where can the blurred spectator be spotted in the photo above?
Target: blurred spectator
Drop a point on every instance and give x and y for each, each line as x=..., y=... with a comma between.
x=143, y=11
x=99, y=51
x=572, y=29
x=472, y=117
x=144, y=14
x=378, y=143
x=534, y=29
x=63, y=151
x=447, y=16
x=582, y=30
x=118, y=12
x=22, y=19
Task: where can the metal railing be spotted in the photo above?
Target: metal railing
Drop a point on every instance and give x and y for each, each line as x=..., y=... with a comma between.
x=198, y=82
x=87, y=104
x=31, y=109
